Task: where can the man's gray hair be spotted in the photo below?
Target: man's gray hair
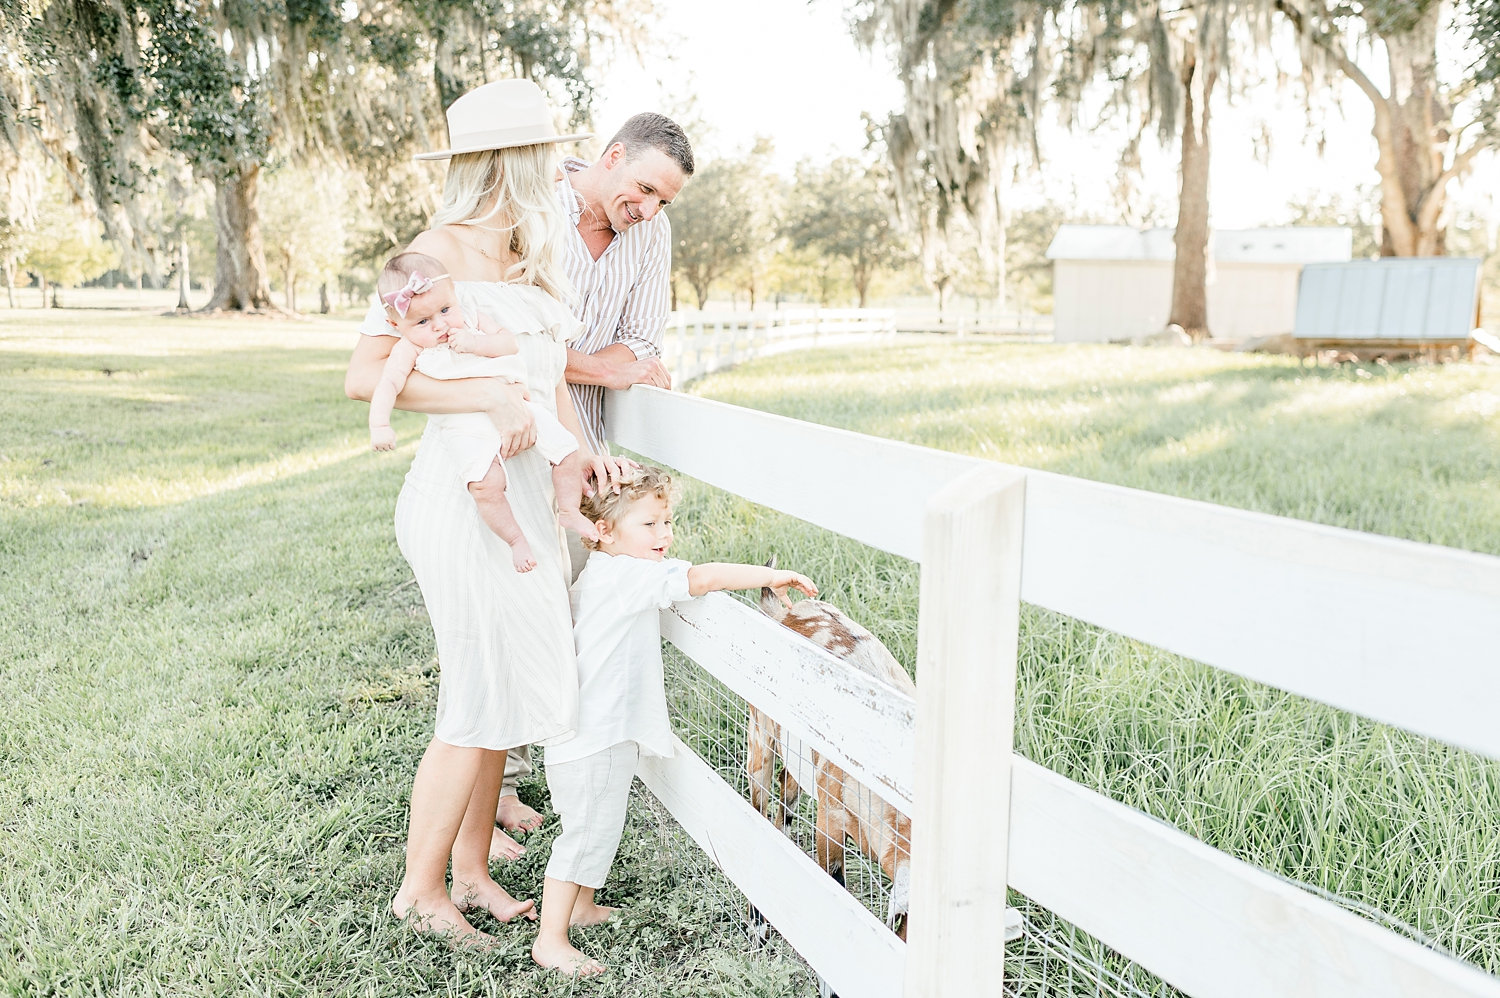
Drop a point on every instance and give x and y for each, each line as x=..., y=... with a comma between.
x=656, y=131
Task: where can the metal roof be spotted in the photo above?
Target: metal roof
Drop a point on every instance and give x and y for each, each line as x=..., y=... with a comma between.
x=1283, y=244
x=1396, y=298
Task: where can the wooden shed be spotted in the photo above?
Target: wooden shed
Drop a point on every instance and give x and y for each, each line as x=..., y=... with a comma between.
x=1114, y=282
x=1392, y=302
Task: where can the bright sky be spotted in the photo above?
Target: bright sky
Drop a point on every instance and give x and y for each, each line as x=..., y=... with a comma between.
x=790, y=69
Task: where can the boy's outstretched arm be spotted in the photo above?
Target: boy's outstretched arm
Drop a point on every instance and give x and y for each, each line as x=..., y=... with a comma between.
x=715, y=576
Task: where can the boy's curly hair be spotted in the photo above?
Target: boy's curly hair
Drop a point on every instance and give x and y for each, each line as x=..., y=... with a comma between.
x=609, y=506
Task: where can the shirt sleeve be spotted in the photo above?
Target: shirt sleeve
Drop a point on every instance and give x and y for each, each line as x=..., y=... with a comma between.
x=374, y=323
x=650, y=299
x=654, y=584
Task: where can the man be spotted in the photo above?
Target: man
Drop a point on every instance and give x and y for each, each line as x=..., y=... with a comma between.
x=619, y=259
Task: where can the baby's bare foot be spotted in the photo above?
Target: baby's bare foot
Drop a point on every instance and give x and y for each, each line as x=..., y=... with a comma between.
x=564, y=958
x=520, y=556
x=439, y=917
x=504, y=847
x=577, y=522
x=591, y=914
x=513, y=816
x=484, y=894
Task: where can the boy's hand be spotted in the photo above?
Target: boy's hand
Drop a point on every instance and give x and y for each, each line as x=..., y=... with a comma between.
x=383, y=438
x=782, y=581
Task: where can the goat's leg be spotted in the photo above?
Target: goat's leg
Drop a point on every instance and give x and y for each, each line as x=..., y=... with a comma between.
x=760, y=763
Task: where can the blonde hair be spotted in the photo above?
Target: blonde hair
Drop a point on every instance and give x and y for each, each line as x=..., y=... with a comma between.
x=519, y=184
x=610, y=506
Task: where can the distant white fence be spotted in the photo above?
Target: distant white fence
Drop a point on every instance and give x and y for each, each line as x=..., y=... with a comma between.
x=697, y=343
x=966, y=322
x=1357, y=617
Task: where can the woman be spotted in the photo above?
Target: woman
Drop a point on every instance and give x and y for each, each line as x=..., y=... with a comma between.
x=504, y=638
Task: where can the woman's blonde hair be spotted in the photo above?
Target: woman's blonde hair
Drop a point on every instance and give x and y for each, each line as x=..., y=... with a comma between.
x=609, y=506
x=519, y=187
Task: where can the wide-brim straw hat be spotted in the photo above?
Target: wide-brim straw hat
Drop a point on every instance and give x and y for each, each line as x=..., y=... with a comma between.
x=500, y=115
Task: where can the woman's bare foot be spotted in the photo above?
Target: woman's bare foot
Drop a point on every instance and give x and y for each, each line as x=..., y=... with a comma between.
x=484, y=894
x=590, y=913
x=440, y=917
x=578, y=523
x=520, y=556
x=565, y=958
x=503, y=847
x=513, y=816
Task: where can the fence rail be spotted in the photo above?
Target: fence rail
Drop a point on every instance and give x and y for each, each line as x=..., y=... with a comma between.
x=1352, y=618
x=698, y=343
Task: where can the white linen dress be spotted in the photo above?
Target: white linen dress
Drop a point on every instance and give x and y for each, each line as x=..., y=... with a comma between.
x=504, y=638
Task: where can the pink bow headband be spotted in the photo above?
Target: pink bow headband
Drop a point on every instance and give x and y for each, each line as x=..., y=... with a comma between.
x=400, y=300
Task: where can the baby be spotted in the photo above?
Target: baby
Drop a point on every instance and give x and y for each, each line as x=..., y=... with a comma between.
x=622, y=704
x=441, y=341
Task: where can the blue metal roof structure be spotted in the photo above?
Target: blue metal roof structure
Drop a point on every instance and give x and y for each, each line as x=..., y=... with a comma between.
x=1395, y=299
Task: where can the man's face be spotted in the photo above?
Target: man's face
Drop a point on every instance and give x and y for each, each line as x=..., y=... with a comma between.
x=638, y=188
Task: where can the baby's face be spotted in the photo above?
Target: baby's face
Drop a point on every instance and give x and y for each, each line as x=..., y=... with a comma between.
x=644, y=530
x=432, y=315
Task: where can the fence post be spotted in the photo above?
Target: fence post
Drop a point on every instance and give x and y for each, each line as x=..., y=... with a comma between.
x=966, y=684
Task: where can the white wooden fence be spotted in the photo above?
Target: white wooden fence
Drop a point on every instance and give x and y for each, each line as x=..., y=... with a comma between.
x=1393, y=630
x=696, y=343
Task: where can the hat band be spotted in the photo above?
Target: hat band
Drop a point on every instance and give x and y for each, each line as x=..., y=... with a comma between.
x=505, y=136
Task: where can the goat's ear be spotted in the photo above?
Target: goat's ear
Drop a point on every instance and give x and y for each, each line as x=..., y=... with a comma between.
x=771, y=561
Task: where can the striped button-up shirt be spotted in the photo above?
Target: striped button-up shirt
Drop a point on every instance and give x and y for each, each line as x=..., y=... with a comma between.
x=623, y=297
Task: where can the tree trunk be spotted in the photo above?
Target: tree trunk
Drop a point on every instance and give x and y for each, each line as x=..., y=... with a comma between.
x=240, y=282
x=10, y=285
x=1190, y=269
x=700, y=291
x=1412, y=134
x=325, y=304
x=672, y=284
x=182, y=276
x=41, y=280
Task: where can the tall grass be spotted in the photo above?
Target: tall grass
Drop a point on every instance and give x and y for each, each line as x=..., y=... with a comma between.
x=1381, y=818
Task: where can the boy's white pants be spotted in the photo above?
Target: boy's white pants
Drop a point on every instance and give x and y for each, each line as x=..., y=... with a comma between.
x=590, y=795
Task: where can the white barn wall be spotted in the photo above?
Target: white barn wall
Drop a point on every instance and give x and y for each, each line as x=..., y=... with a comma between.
x=1252, y=299
x=1099, y=300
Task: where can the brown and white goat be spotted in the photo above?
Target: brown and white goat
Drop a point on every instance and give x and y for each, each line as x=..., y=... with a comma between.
x=847, y=811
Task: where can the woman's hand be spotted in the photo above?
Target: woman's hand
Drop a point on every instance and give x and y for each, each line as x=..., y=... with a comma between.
x=607, y=471
x=514, y=421
x=782, y=581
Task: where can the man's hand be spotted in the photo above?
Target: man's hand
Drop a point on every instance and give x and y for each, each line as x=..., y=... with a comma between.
x=646, y=371
x=513, y=420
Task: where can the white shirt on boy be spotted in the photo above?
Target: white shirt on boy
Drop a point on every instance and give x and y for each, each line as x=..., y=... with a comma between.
x=617, y=633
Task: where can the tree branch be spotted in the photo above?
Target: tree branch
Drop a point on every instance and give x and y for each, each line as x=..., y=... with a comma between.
x=1325, y=41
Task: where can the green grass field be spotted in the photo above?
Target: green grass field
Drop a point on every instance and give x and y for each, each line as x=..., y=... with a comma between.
x=219, y=676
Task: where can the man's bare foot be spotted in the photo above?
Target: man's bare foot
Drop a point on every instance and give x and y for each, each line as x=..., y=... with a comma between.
x=520, y=556
x=513, y=816
x=484, y=894
x=565, y=958
x=441, y=918
x=590, y=914
x=577, y=522
x=503, y=847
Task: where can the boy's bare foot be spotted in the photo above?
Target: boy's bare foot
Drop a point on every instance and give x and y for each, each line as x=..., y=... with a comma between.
x=503, y=847
x=565, y=958
x=577, y=522
x=486, y=895
x=513, y=816
x=590, y=914
x=440, y=917
x=520, y=556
